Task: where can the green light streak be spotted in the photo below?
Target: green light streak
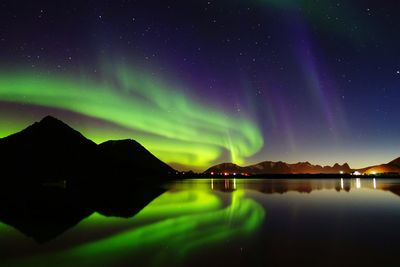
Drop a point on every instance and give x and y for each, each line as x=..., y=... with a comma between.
x=166, y=121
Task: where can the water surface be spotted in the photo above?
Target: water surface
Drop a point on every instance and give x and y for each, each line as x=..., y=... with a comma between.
x=200, y=222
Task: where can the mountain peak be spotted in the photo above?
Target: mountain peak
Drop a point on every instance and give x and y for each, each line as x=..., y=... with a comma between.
x=123, y=154
x=48, y=130
x=52, y=122
x=304, y=163
x=52, y=147
x=346, y=165
x=224, y=167
x=49, y=118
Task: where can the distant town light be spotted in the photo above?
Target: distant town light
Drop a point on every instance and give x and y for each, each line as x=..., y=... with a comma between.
x=212, y=173
x=374, y=172
x=341, y=172
x=357, y=173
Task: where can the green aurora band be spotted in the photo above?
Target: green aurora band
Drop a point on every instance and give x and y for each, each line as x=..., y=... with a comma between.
x=182, y=221
x=174, y=127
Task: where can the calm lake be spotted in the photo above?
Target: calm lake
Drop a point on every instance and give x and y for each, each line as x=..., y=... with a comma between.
x=207, y=222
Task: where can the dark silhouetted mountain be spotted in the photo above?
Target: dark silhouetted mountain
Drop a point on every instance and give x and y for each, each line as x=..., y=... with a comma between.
x=48, y=148
x=226, y=167
x=306, y=167
x=270, y=167
x=51, y=150
x=128, y=157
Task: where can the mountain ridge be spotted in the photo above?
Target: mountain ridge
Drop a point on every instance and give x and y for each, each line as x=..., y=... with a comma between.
x=49, y=146
x=52, y=150
x=124, y=153
x=279, y=167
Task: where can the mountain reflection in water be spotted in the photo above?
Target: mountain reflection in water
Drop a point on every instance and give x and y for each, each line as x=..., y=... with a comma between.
x=198, y=222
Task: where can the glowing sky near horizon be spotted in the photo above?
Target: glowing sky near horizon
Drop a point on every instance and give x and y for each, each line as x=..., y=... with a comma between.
x=204, y=82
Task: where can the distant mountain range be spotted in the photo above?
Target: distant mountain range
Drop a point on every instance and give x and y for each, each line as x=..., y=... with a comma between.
x=270, y=167
x=52, y=150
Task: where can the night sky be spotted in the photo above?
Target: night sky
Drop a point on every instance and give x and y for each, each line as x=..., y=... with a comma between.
x=204, y=82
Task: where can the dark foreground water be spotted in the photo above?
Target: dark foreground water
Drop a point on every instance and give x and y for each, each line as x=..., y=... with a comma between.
x=341, y=222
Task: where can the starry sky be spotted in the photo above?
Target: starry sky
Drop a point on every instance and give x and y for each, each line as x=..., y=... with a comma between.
x=205, y=82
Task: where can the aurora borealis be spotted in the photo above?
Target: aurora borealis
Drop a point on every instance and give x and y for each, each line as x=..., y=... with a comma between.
x=170, y=125
x=204, y=82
